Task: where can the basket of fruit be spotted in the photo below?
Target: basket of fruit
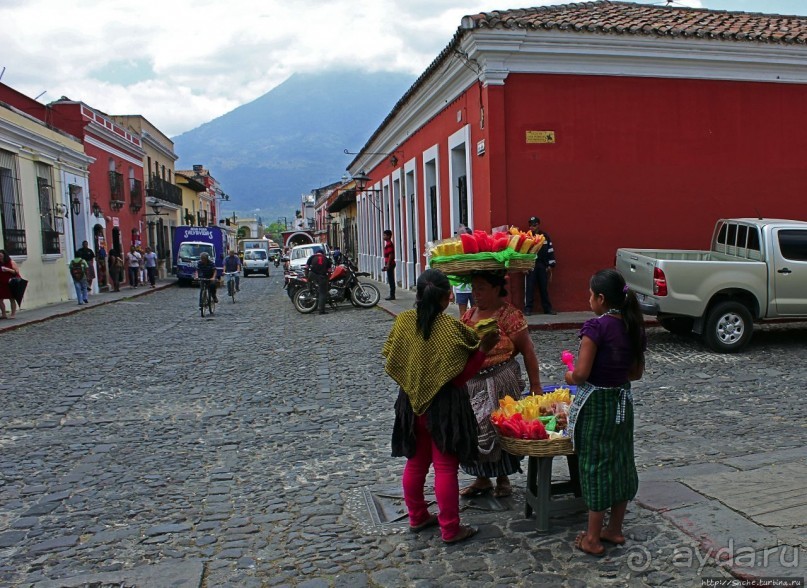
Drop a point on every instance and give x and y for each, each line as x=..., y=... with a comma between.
x=512, y=250
x=534, y=425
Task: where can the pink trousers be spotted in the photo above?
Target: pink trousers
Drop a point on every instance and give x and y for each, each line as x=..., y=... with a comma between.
x=446, y=484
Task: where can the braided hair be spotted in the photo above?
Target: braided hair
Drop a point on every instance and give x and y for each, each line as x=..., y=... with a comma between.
x=432, y=287
x=612, y=286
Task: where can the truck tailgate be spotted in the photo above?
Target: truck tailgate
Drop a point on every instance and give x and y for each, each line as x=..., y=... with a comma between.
x=637, y=269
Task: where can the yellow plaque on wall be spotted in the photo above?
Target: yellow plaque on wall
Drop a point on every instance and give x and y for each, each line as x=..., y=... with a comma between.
x=540, y=136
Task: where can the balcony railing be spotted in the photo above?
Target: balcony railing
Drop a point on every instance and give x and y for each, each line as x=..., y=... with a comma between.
x=116, y=190
x=136, y=194
x=164, y=190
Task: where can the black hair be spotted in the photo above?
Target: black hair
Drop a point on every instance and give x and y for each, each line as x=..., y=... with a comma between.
x=495, y=279
x=387, y=233
x=432, y=288
x=611, y=285
x=6, y=258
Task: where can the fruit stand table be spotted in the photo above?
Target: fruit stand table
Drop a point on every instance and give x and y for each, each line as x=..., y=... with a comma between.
x=541, y=490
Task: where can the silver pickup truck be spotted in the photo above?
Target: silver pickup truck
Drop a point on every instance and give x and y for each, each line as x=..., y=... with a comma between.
x=755, y=270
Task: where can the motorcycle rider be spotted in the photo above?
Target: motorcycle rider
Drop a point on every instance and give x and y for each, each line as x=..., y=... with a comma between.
x=316, y=270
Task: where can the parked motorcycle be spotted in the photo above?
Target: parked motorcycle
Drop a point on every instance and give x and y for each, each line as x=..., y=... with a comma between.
x=293, y=281
x=343, y=285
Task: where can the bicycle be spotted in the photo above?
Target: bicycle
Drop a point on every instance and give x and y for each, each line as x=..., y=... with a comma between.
x=206, y=301
x=231, y=284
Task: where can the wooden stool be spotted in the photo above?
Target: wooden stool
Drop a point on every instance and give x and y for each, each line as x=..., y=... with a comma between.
x=540, y=491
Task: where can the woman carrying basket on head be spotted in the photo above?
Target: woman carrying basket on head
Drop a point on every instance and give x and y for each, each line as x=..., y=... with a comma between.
x=431, y=355
x=500, y=376
x=612, y=347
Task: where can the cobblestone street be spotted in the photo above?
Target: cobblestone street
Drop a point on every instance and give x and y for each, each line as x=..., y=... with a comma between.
x=252, y=449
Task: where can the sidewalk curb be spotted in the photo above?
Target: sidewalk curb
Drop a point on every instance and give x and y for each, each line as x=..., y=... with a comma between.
x=61, y=313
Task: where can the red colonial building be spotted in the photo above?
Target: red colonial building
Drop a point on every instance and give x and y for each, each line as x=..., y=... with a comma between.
x=116, y=176
x=619, y=124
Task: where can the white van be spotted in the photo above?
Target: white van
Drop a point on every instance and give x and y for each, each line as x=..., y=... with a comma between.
x=256, y=261
x=300, y=254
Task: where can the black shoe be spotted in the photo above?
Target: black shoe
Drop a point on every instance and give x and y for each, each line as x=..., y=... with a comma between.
x=550, y=312
x=390, y=298
x=216, y=300
x=527, y=312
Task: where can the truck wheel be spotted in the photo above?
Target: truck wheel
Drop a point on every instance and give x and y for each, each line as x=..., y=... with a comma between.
x=678, y=325
x=729, y=326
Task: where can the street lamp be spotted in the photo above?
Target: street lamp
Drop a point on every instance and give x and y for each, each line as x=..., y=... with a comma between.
x=362, y=179
x=75, y=205
x=96, y=210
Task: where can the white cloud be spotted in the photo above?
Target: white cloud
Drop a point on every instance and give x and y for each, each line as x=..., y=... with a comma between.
x=181, y=63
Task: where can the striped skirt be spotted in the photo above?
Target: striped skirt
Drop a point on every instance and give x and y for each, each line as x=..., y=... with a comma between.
x=486, y=388
x=605, y=450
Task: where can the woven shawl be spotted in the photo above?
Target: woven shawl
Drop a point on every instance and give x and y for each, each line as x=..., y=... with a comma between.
x=422, y=367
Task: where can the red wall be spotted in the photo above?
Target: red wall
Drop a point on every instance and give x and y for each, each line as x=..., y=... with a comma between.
x=647, y=163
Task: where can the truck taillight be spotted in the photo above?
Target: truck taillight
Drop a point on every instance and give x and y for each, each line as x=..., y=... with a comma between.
x=659, y=282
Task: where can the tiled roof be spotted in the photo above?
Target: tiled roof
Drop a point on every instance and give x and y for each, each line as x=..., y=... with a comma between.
x=605, y=17
x=627, y=18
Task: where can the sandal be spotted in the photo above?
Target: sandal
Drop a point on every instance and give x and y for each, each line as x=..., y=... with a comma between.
x=578, y=543
x=429, y=522
x=503, y=490
x=473, y=490
x=465, y=532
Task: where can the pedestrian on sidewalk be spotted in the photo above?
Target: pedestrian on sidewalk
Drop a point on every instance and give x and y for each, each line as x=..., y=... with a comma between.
x=150, y=261
x=115, y=268
x=133, y=265
x=8, y=270
x=462, y=292
x=88, y=255
x=142, y=273
x=611, y=355
x=78, y=271
x=431, y=355
x=389, y=263
x=501, y=374
x=541, y=274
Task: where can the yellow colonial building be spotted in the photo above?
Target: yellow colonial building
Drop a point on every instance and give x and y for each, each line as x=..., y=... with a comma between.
x=44, y=204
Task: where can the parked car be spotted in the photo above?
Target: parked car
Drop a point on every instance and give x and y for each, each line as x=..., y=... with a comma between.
x=256, y=261
x=300, y=254
x=755, y=270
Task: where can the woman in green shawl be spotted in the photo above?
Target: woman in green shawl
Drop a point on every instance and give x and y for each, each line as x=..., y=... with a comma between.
x=431, y=355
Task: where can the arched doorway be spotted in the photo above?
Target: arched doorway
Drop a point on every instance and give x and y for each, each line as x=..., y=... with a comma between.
x=299, y=238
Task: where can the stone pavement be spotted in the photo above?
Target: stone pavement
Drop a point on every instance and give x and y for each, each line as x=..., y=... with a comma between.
x=252, y=449
x=26, y=316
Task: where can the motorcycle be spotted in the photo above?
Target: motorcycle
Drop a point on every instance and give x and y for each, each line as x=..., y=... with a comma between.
x=293, y=281
x=343, y=285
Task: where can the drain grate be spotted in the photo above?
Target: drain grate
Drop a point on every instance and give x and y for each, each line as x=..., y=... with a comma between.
x=386, y=506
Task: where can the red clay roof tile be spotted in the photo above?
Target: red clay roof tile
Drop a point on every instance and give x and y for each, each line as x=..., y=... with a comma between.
x=606, y=17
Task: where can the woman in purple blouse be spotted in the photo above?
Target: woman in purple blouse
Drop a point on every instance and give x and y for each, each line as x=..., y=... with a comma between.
x=611, y=355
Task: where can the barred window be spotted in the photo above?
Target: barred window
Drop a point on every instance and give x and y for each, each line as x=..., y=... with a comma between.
x=13, y=222
x=49, y=221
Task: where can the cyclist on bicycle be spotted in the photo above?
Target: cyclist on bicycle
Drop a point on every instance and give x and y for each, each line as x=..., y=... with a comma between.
x=232, y=264
x=206, y=270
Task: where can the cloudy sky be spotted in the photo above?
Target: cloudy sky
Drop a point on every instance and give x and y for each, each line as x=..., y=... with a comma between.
x=181, y=63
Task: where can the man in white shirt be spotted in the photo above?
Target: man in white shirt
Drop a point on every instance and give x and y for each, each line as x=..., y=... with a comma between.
x=133, y=265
